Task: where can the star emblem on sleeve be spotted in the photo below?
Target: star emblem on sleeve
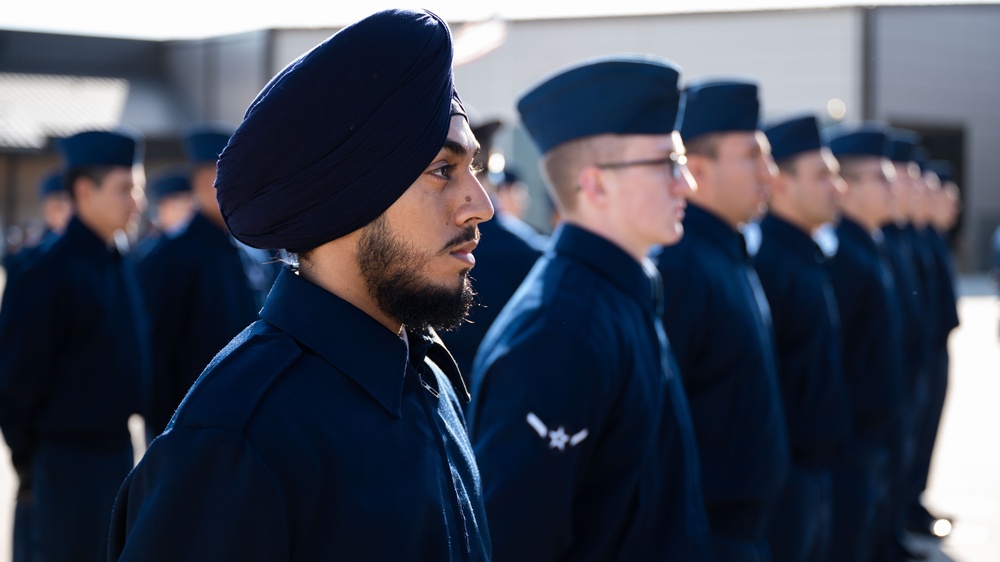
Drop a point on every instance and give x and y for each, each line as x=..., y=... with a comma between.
x=557, y=438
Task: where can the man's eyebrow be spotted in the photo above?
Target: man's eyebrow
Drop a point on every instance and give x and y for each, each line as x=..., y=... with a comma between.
x=459, y=149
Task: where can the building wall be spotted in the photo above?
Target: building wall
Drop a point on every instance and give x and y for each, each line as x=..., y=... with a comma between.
x=218, y=78
x=939, y=67
x=801, y=60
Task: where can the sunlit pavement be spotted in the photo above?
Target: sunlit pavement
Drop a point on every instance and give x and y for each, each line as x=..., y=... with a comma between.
x=965, y=478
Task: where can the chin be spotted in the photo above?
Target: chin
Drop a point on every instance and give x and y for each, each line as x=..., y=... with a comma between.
x=674, y=237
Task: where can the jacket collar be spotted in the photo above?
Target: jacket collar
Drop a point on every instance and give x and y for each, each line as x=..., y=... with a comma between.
x=791, y=237
x=352, y=341
x=637, y=280
x=704, y=225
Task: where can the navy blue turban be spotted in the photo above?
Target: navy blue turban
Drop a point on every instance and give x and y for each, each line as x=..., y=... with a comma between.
x=719, y=106
x=51, y=184
x=169, y=183
x=335, y=138
x=902, y=143
x=622, y=95
x=870, y=139
x=794, y=136
x=98, y=148
x=204, y=143
x=943, y=168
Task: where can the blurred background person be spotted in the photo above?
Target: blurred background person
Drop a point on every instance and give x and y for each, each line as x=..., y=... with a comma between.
x=172, y=207
x=508, y=248
x=807, y=334
x=937, y=219
x=75, y=357
x=200, y=287
x=719, y=323
x=871, y=344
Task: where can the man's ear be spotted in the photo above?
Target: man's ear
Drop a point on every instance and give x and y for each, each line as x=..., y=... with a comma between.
x=698, y=166
x=82, y=186
x=592, y=188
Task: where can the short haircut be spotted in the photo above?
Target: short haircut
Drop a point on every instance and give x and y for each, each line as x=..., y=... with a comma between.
x=95, y=174
x=561, y=166
x=706, y=145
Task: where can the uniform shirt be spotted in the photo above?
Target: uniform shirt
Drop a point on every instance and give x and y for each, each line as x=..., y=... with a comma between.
x=807, y=337
x=504, y=257
x=870, y=329
x=578, y=418
x=76, y=353
x=199, y=297
x=316, y=434
x=718, y=322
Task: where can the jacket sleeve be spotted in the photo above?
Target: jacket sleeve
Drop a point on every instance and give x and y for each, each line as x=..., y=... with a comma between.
x=200, y=495
x=32, y=328
x=533, y=425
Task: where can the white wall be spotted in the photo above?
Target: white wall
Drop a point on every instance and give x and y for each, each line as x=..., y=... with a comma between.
x=940, y=66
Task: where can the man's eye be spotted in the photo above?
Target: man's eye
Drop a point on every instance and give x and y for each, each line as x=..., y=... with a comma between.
x=444, y=172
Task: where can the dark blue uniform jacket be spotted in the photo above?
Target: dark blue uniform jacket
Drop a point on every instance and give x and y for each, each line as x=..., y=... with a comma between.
x=311, y=436
x=870, y=328
x=199, y=297
x=912, y=302
x=944, y=272
x=504, y=257
x=578, y=418
x=719, y=325
x=807, y=337
x=75, y=352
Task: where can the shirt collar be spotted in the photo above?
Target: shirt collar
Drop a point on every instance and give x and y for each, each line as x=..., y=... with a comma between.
x=638, y=280
x=791, y=237
x=707, y=226
x=853, y=230
x=87, y=240
x=342, y=334
x=354, y=342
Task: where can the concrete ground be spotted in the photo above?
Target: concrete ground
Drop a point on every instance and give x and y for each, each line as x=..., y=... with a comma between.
x=965, y=477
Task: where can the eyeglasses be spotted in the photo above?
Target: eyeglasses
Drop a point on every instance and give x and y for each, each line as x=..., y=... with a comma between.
x=675, y=163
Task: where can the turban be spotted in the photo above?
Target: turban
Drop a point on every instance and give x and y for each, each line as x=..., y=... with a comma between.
x=719, y=106
x=621, y=95
x=336, y=137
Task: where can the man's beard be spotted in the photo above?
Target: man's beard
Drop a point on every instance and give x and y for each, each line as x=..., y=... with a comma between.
x=391, y=271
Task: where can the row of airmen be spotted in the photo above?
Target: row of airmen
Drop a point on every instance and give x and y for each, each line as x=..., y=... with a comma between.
x=776, y=402
x=93, y=333
x=814, y=362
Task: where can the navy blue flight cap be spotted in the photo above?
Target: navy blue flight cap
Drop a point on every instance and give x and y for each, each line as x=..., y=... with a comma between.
x=169, y=183
x=794, y=136
x=719, y=106
x=98, y=148
x=204, y=143
x=620, y=95
x=51, y=184
x=920, y=156
x=869, y=139
x=335, y=138
x=902, y=142
x=943, y=168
